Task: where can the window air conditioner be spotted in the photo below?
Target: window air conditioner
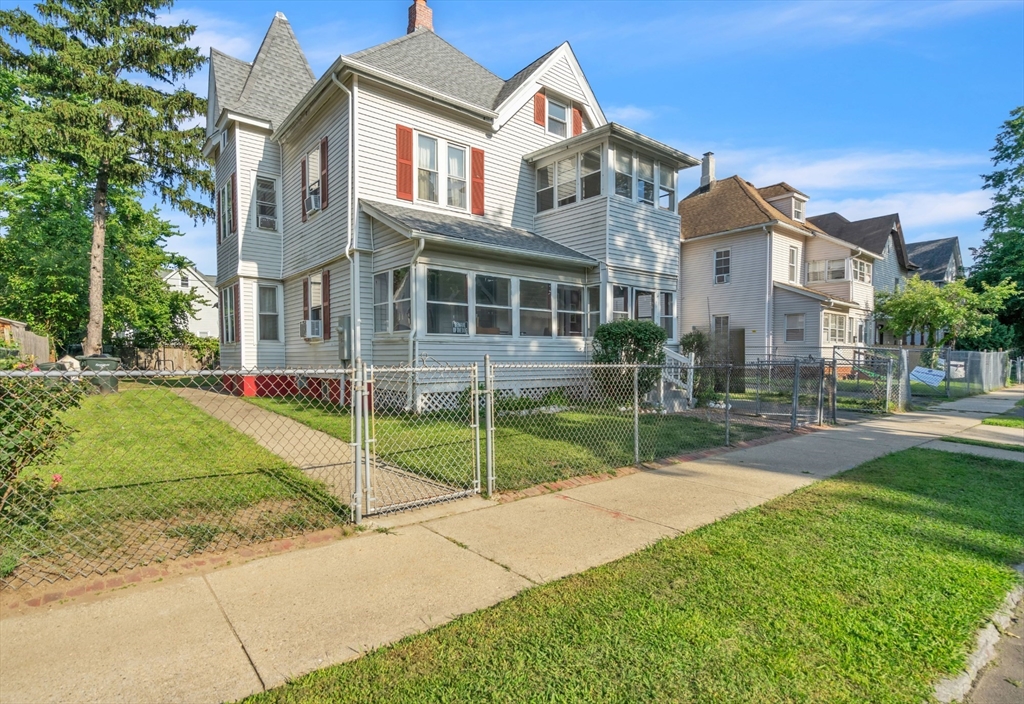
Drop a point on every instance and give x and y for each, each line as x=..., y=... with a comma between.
x=313, y=203
x=311, y=329
x=721, y=278
x=268, y=223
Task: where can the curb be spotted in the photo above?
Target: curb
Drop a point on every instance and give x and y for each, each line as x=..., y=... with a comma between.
x=954, y=689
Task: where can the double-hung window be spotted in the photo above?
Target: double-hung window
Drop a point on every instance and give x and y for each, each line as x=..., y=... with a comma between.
x=457, y=177
x=493, y=305
x=593, y=309
x=266, y=204
x=666, y=187
x=447, y=302
x=798, y=209
x=835, y=327
x=668, y=314
x=534, y=309
x=228, y=312
x=645, y=180
x=570, y=311
x=624, y=173
x=566, y=172
x=269, y=312
x=426, y=180
x=183, y=280
x=721, y=325
x=227, y=209
x=590, y=173
x=401, y=300
x=795, y=327
x=380, y=301
x=313, y=171
x=545, y=188
x=836, y=269
x=793, y=258
x=723, y=265
x=831, y=270
x=861, y=271
x=620, y=303
x=558, y=118
x=316, y=297
x=643, y=305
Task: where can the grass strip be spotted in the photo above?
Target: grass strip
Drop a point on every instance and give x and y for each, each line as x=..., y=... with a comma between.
x=983, y=443
x=865, y=587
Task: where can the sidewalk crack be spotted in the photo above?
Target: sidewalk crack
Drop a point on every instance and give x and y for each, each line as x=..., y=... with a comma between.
x=263, y=685
x=469, y=549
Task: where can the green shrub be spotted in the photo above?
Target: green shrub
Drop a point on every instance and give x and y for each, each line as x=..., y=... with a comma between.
x=629, y=342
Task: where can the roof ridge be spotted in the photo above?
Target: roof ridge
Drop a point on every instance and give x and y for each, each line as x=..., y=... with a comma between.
x=215, y=50
x=519, y=77
x=257, y=64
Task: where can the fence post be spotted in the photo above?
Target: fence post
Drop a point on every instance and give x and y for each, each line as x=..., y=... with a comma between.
x=690, y=401
x=796, y=393
x=636, y=414
x=368, y=435
x=728, y=383
x=757, y=392
x=821, y=393
x=356, y=399
x=474, y=380
x=835, y=391
x=888, y=383
x=949, y=354
x=489, y=422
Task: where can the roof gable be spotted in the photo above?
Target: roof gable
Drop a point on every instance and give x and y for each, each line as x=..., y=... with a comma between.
x=730, y=204
x=870, y=234
x=933, y=257
x=280, y=75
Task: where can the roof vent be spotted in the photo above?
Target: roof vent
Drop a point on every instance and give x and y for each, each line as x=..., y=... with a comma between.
x=420, y=17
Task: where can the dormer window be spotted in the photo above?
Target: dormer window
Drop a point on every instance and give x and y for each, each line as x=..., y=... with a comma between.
x=798, y=209
x=558, y=118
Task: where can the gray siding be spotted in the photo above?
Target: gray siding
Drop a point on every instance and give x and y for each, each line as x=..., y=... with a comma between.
x=299, y=352
x=788, y=303
x=887, y=270
x=260, y=249
x=227, y=248
x=581, y=226
x=642, y=238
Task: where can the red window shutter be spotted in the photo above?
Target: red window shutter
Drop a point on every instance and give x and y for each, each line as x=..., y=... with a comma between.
x=234, y=203
x=238, y=312
x=403, y=162
x=323, y=173
x=220, y=235
x=305, y=299
x=577, y=122
x=540, y=109
x=302, y=190
x=477, y=161
x=325, y=301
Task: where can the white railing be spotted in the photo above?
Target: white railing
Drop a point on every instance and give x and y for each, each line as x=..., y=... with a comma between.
x=675, y=364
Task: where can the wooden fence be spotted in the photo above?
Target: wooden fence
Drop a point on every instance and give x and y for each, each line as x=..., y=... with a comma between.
x=31, y=345
x=160, y=359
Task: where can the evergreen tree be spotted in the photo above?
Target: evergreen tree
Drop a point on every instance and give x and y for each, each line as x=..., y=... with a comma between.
x=97, y=86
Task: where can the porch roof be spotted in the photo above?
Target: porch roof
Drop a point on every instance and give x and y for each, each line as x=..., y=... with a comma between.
x=473, y=233
x=817, y=295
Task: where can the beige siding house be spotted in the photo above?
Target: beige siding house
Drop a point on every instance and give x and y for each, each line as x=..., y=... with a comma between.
x=409, y=206
x=762, y=279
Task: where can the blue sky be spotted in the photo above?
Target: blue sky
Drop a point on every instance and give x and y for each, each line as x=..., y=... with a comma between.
x=868, y=107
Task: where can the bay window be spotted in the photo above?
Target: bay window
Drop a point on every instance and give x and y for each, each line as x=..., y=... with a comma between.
x=447, y=302
x=534, y=309
x=266, y=204
x=831, y=270
x=401, y=292
x=570, y=311
x=493, y=305
x=861, y=271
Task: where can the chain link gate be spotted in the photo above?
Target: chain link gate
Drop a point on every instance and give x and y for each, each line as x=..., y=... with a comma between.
x=416, y=432
x=864, y=381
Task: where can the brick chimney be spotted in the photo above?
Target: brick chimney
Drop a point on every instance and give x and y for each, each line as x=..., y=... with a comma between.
x=707, y=170
x=420, y=17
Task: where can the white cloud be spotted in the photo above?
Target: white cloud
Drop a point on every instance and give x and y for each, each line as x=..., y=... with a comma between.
x=216, y=30
x=627, y=114
x=916, y=209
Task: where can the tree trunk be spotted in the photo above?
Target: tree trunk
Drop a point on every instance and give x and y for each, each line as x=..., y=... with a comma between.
x=94, y=330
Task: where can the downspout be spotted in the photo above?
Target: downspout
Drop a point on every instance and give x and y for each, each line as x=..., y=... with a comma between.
x=420, y=243
x=353, y=272
x=768, y=295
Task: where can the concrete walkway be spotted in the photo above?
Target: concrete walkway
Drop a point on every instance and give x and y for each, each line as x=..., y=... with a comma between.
x=241, y=629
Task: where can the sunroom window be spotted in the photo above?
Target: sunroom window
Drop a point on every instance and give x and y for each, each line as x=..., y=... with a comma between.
x=566, y=170
x=667, y=188
x=534, y=309
x=645, y=180
x=447, y=302
x=570, y=311
x=493, y=305
x=624, y=173
x=545, y=188
x=590, y=173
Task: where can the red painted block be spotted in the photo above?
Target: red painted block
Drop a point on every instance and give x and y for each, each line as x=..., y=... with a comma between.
x=248, y=386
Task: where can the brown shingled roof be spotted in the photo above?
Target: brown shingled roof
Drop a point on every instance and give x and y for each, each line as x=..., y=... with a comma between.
x=729, y=204
x=779, y=189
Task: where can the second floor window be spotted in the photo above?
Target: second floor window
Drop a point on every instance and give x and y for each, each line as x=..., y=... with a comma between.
x=861, y=271
x=793, y=255
x=624, y=173
x=566, y=172
x=266, y=204
x=427, y=171
x=645, y=180
x=316, y=297
x=666, y=188
x=723, y=266
x=831, y=270
x=798, y=209
x=313, y=172
x=457, y=177
x=590, y=173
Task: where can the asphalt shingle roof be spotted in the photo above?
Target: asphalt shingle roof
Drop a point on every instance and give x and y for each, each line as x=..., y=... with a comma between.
x=517, y=80
x=426, y=59
x=870, y=234
x=729, y=204
x=476, y=231
x=779, y=189
x=229, y=76
x=933, y=256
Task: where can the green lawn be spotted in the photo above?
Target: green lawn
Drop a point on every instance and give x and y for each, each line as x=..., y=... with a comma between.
x=530, y=449
x=142, y=465
x=1013, y=418
x=865, y=587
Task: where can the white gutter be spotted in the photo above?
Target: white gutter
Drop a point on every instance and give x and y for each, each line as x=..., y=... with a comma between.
x=421, y=243
x=769, y=289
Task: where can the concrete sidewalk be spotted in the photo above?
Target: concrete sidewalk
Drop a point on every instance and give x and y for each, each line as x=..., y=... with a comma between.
x=241, y=629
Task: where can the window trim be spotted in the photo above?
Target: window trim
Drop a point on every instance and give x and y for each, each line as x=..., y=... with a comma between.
x=550, y=309
x=794, y=265
x=257, y=177
x=278, y=313
x=567, y=106
x=714, y=266
x=802, y=328
x=559, y=311
x=860, y=271
x=468, y=304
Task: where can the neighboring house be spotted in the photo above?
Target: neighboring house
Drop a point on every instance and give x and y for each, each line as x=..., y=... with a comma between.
x=755, y=271
x=938, y=260
x=882, y=235
x=206, y=322
x=410, y=204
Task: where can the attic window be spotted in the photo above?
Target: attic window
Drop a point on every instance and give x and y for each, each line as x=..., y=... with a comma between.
x=798, y=209
x=558, y=118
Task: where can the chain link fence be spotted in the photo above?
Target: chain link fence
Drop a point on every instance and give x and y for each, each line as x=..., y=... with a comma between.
x=106, y=471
